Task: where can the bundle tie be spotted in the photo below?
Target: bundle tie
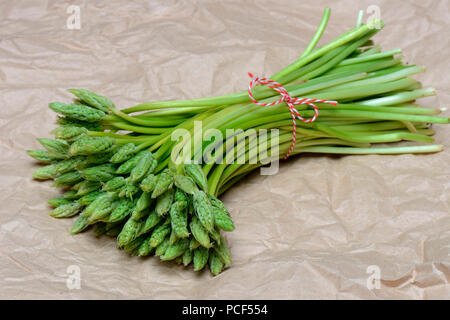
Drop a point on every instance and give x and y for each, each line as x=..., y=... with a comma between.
x=290, y=101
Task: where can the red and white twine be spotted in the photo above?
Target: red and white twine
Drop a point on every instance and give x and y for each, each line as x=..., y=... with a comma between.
x=291, y=102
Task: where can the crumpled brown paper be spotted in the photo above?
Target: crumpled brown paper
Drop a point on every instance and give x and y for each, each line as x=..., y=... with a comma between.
x=324, y=227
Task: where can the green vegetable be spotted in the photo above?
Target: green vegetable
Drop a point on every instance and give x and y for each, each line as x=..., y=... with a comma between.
x=131, y=154
x=99, y=158
x=114, y=184
x=181, y=197
x=146, y=164
x=134, y=244
x=159, y=234
x=173, y=237
x=124, y=153
x=89, y=198
x=215, y=264
x=58, y=201
x=193, y=244
x=145, y=249
x=91, y=126
x=46, y=172
x=41, y=155
x=72, y=195
x=129, y=232
x=223, y=253
x=77, y=111
x=101, y=208
x=201, y=255
x=164, y=202
x=95, y=100
x=103, y=172
x=187, y=257
x=196, y=173
x=186, y=184
x=204, y=210
x=142, y=204
x=66, y=210
x=152, y=220
x=100, y=204
x=149, y=183
x=69, y=133
x=79, y=225
x=129, y=190
x=175, y=250
x=164, y=183
x=200, y=234
x=67, y=165
x=215, y=235
x=216, y=203
x=129, y=165
x=178, y=217
x=77, y=186
x=88, y=145
x=87, y=186
x=68, y=179
x=56, y=148
x=121, y=210
x=162, y=247
x=222, y=220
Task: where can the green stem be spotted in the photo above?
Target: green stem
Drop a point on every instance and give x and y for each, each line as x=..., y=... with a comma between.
x=400, y=97
x=345, y=38
x=371, y=57
x=319, y=32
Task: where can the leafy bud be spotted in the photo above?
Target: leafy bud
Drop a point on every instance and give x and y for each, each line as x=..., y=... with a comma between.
x=146, y=164
x=114, y=184
x=66, y=210
x=87, y=187
x=67, y=165
x=91, y=145
x=77, y=111
x=56, y=148
x=58, y=201
x=102, y=172
x=91, y=126
x=95, y=100
x=68, y=179
x=196, y=173
x=124, y=153
x=41, y=155
x=44, y=173
x=69, y=133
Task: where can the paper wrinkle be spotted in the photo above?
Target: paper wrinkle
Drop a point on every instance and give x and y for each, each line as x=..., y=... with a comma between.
x=308, y=232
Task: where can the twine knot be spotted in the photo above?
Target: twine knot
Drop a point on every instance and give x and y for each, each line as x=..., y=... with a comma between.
x=290, y=101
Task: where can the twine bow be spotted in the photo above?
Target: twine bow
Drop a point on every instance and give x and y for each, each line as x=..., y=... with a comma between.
x=290, y=101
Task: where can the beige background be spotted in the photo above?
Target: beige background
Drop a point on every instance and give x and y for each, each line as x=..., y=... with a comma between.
x=309, y=232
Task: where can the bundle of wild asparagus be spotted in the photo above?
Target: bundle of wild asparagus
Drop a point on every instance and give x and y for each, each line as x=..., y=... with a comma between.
x=151, y=174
